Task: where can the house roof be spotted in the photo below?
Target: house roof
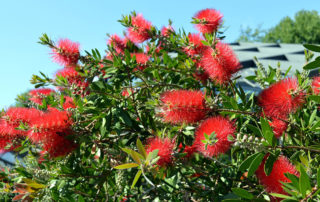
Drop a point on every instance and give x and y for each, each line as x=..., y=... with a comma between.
x=269, y=54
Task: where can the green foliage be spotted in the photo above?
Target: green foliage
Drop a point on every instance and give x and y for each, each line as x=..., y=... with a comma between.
x=303, y=28
x=112, y=161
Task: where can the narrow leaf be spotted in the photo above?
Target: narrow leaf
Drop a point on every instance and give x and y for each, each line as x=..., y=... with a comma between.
x=269, y=164
x=255, y=164
x=304, y=182
x=267, y=132
x=141, y=149
x=136, y=178
x=126, y=166
x=312, y=65
x=242, y=193
x=312, y=47
x=246, y=163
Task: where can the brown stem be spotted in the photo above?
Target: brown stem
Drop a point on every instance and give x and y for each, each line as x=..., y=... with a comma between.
x=298, y=147
x=236, y=111
x=314, y=190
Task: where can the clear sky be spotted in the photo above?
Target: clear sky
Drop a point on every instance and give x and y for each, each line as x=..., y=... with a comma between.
x=88, y=21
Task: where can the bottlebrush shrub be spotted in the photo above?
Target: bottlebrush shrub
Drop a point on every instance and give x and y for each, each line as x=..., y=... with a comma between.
x=161, y=117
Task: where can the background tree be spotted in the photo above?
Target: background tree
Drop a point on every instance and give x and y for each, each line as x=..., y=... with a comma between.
x=304, y=28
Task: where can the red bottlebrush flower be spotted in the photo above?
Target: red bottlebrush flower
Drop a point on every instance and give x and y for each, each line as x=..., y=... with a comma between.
x=4, y=142
x=41, y=92
x=68, y=103
x=281, y=98
x=59, y=146
x=118, y=44
x=200, y=74
x=279, y=127
x=195, y=45
x=141, y=60
x=126, y=92
x=38, y=94
x=9, y=130
x=220, y=64
x=222, y=127
x=183, y=106
x=67, y=52
x=36, y=100
x=166, y=31
x=16, y=115
x=156, y=49
x=210, y=20
x=139, y=32
x=272, y=182
x=52, y=120
x=316, y=85
x=70, y=74
x=165, y=147
x=189, y=150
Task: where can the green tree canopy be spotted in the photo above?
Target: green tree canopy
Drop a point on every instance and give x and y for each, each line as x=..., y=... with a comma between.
x=304, y=28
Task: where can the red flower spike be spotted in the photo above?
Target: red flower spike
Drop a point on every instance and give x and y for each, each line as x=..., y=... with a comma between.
x=19, y=114
x=211, y=20
x=166, y=31
x=222, y=127
x=125, y=92
x=38, y=94
x=165, y=147
x=272, y=182
x=141, y=60
x=41, y=92
x=70, y=74
x=316, y=85
x=3, y=143
x=279, y=127
x=139, y=32
x=9, y=130
x=189, y=150
x=195, y=46
x=182, y=106
x=59, y=146
x=118, y=44
x=52, y=120
x=281, y=98
x=219, y=64
x=41, y=136
x=67, y=52
x=68, y=103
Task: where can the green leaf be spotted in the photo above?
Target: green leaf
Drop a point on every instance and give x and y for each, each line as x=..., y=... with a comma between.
x=152, y=155
x=136, y=178
x=282, y=196
x=304, y=181
x=269, y=164
x=125, y=117
x=136, y=156
x=254, y=129
x=312, y=47
x=287, y=72
x=126, y=166
x=318, y=177
x=141, y=149
x=246, y=163
x=294, y=180
x=315, y=98
x=255, y=164
x=313, y=115
x=242, y=193
x=267, y=132
x=312, y=65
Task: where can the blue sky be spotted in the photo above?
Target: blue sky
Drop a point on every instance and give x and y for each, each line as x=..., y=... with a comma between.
x=85, y=21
